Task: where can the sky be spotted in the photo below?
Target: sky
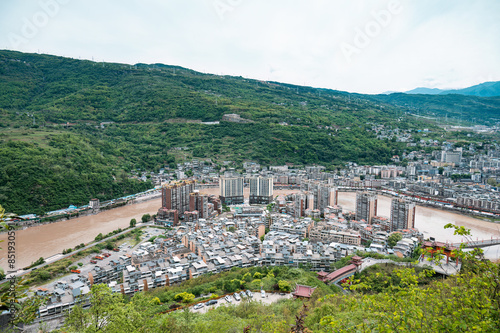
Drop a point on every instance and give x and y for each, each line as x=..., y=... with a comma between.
x=364, y=46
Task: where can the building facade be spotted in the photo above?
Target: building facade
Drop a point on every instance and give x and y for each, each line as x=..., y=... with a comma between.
x=231, y=190
x=176, y=196
x=261, y=190
x=199, y=202
x=366, y=206
x=402, y=214
x=324, y=195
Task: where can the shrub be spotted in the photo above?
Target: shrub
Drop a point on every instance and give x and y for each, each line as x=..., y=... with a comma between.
x=284, y=286
x=184, y=297
x=43, y=275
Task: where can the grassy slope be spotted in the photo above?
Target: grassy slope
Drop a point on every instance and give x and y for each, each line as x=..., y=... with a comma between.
x=155, y=109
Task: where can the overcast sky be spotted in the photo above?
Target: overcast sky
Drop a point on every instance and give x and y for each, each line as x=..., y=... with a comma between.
x=369, y=46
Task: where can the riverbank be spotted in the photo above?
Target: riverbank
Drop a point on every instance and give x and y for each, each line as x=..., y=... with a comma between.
x=88, y=212
x=49, y=239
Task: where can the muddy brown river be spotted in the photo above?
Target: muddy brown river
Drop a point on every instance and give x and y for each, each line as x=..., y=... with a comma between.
x=47, y=240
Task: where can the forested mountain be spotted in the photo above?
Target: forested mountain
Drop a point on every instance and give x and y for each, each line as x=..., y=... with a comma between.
x=74, y=129
x=471, y=109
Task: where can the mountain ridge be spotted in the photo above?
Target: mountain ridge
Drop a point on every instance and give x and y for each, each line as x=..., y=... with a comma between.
x=72, y=130
x=485, y=89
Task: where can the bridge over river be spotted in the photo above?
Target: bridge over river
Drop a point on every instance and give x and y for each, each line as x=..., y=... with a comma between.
x=478, y=243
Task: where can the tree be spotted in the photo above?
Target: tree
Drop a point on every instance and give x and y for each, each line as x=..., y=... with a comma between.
x=145, y=218
x=38, y=262
x=465, y=302
x=393, y=239
x=185, y=297
x=3, y=224
x=104, y=304
x=247, y=277
x=23, y=309
x=109, y=313
x=285, y=286
x=133, y=222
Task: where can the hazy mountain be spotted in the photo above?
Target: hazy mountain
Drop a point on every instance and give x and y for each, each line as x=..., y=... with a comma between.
x=486, y=89
x=426, y=91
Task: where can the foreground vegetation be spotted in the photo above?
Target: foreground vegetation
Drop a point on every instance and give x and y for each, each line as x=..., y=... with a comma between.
x=464, y=303
x=381, y=299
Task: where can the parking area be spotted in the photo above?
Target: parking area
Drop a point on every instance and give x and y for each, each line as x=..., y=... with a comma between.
x=270, y=298
x=89, y=262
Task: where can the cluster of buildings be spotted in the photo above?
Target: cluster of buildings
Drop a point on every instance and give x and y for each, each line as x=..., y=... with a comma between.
x=231, y=189
x=181, y=200
x=464, y=176
x=246, y=237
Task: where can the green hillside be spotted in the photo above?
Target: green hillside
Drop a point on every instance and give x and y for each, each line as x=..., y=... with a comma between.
x=471, y=109
x=75, y=129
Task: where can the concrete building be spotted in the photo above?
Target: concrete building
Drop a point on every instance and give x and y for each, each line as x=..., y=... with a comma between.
x=176, y=196
x=451, y=157
x=323, y=195
x=231, y=190
x=297, y=206
x=94, y=204
x=167, y=217
x=402, y=214
x=261, y=190
x=366, y=206
x=199, y=202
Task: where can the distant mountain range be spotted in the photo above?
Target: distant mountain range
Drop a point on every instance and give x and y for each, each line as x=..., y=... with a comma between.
x=486, y=89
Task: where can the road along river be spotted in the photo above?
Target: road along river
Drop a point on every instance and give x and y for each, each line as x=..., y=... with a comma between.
x=49, y=239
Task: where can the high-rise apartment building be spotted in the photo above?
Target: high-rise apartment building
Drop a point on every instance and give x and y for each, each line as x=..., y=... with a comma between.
x=324, y=194
x=366, y=206
x=402, y=214
x=199, y=202
x=176, y=196
x=299, y=205
x=261, y=190
x=231, y=190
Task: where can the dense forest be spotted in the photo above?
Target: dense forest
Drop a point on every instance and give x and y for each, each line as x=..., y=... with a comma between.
x=74, y=129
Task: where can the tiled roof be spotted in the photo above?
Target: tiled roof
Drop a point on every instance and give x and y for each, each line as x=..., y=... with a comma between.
x=303, y=291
